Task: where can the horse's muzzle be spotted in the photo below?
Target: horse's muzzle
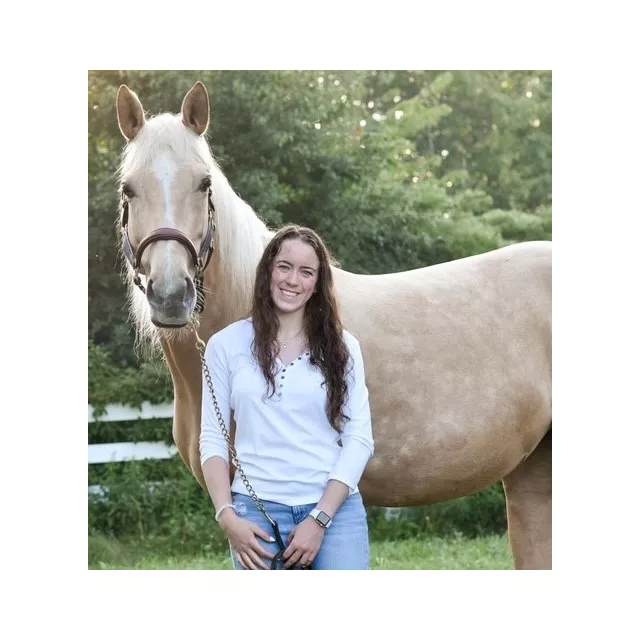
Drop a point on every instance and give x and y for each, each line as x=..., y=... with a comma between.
x=171, y=307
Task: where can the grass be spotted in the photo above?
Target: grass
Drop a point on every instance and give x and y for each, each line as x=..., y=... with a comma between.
x=490, y=552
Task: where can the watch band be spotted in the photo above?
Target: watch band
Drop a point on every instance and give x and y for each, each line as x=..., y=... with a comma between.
x=322, y=518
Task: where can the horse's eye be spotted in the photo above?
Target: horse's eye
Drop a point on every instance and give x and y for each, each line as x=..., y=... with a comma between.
x=127, y=191
x=205, y=185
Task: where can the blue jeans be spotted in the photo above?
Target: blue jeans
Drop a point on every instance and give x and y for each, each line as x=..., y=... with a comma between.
x=345, y=544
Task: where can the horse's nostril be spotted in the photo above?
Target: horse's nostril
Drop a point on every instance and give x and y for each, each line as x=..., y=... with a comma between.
x=150, y=295
x=189, y=291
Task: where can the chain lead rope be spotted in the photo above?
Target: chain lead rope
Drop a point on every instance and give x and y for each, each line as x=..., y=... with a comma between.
x=225, y=432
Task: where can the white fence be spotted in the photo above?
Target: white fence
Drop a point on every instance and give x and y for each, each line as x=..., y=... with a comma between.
x=125, y=451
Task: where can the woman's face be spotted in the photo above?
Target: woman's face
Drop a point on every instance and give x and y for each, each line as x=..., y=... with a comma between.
x=294, y=276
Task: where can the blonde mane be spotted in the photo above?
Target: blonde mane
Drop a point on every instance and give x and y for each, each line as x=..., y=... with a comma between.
x=240, y=234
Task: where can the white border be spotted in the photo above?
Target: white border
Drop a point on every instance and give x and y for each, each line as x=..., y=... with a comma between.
x=596, y=344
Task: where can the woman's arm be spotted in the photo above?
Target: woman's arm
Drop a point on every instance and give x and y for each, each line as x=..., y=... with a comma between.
x=356, y=436
x=214, y=458
x=212, y=442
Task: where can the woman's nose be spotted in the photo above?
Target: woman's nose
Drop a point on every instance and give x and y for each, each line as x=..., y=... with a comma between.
x=293, y=277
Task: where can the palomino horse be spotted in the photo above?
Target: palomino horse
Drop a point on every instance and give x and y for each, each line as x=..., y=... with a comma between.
x=457, y=355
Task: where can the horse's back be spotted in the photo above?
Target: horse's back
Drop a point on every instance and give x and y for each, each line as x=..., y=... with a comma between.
x=509, y=281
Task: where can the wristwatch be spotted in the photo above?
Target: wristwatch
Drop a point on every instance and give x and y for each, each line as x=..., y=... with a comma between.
x=321, y=518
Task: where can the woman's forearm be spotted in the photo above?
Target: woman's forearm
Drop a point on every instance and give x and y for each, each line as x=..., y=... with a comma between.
x=334, y=495
x=216, y=476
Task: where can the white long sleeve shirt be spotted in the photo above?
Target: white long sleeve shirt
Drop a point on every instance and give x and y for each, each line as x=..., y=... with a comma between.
x=285, y=443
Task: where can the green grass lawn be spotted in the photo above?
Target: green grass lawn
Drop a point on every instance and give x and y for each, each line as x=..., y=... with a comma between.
x=490, y=552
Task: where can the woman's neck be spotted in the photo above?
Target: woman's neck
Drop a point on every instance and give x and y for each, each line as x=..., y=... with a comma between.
x=290, y=324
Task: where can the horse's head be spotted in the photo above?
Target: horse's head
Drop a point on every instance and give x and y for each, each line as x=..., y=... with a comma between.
x=167, y=205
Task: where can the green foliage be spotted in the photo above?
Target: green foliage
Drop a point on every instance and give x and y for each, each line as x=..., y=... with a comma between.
x=109, y=383
x=157, y=430
x=481, y=514
x=168, y=506
x=515, y=226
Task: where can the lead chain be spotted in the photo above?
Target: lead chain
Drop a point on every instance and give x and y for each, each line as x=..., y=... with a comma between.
x=232, y=450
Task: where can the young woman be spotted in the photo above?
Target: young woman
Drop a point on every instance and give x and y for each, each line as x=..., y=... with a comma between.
x=294, y=379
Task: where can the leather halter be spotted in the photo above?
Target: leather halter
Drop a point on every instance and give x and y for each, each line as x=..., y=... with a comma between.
x=200, y=259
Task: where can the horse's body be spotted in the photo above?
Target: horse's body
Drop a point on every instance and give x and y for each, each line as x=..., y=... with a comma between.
x=457, y=355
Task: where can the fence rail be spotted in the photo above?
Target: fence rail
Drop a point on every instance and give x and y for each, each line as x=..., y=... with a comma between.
x=120, y=413
x=126, y=451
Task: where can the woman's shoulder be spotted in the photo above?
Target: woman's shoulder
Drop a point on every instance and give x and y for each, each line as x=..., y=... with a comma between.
x=237, y=332
x=350, y=340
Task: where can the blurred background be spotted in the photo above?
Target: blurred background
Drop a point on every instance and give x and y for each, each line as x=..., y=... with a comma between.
x=396, y=170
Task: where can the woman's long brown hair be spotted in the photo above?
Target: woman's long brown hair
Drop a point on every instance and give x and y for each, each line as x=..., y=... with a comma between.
x=322, y=323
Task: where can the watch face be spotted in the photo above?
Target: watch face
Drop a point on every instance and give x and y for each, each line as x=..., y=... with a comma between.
x=323, y=518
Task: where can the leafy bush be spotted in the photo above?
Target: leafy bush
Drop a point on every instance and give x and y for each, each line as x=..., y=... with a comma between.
x=478, y=515
x=111, y=383
x=174, y=509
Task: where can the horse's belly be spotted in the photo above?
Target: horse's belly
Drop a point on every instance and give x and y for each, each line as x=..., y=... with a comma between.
x=453, y=447
x=403, y=478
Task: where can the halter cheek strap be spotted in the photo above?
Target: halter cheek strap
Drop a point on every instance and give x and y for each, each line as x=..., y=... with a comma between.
x=200, y=259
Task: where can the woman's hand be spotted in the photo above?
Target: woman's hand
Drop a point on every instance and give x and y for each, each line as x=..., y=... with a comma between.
x=303, y=543
x=242, y=537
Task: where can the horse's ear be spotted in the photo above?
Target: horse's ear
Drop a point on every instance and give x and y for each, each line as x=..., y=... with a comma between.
x=130, y=113
x=195, y=109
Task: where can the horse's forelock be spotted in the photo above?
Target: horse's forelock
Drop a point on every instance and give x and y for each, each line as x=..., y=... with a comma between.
x=162, y=133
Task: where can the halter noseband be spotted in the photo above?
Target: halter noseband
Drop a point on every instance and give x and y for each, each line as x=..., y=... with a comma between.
x=199, y=259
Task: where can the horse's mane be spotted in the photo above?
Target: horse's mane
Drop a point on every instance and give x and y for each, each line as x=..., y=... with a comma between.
x=240, y=234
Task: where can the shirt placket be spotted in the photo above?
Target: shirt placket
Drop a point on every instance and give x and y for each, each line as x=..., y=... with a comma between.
x=281, y=373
